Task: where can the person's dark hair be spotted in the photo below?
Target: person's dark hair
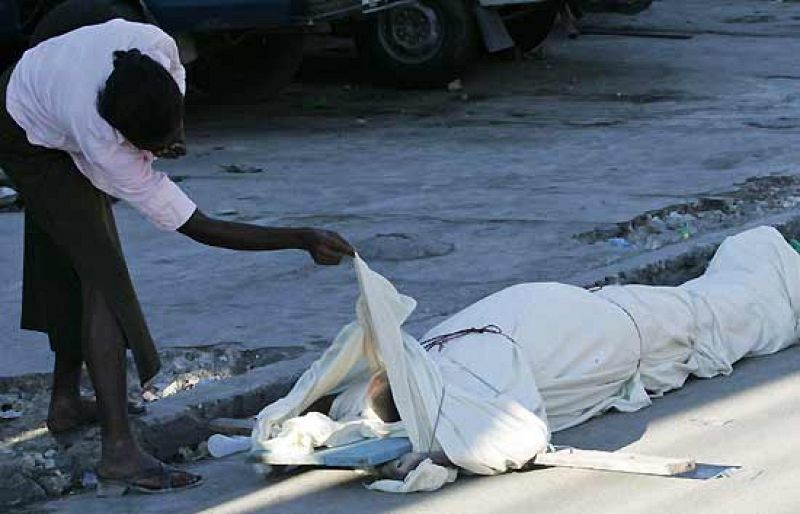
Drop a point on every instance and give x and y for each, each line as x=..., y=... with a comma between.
x=141, y=100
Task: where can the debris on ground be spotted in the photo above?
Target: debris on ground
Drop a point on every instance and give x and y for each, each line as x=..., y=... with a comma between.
x=455, y=85
x=755, y=198
x=620, y=242
x=10, y=407
x=8, y=198
x=34, y=466
x=183, y=369
x=241, y=169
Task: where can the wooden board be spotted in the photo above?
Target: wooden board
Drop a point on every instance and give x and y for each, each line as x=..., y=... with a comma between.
x=232, y=426
x=613, y=461
x=362, y=454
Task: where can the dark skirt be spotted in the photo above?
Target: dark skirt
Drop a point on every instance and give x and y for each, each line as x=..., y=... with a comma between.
x=71, y=241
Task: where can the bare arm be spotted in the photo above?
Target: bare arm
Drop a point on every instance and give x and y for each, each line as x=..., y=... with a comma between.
x=325, y=247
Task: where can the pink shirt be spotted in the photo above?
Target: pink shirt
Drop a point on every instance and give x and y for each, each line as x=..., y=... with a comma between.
x=52, y=95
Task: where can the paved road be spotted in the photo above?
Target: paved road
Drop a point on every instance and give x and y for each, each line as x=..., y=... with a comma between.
x=489, y=188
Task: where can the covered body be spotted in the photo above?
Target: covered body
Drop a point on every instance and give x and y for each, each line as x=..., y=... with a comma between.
x=490, y=401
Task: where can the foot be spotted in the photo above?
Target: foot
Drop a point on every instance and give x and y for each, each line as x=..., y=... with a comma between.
x=398, y=469
x=143, y=472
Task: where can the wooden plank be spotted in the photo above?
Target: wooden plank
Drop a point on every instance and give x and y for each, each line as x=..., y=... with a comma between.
x=613, y=461
x=232, y=426
x=361, y=454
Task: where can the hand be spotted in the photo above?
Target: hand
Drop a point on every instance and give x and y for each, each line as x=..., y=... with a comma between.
x=399, y=468
x=326, y=247
x=171, y=151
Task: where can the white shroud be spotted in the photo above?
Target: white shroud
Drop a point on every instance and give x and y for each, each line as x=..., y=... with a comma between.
x=490, y=401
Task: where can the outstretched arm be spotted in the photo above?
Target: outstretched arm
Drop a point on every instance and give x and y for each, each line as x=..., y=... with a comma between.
x=325, y=246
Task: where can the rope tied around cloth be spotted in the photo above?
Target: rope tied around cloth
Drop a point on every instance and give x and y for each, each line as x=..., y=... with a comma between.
x=441, y=340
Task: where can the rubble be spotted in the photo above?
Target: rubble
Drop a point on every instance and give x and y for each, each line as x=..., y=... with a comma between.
x=8, y=198
x=755, y=198
x=34, y=466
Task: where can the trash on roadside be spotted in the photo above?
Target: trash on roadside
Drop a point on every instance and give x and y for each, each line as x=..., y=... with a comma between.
x=240, y=169
x=10, y=414
x=89, y=480
x=10, y=407
x=455, y=85
x=620, y=242
x=150, y=395
x=8, y=197
x=684, y=232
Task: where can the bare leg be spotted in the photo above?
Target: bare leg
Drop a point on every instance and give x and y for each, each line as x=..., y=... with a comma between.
x=104, y=349
x=66, y=410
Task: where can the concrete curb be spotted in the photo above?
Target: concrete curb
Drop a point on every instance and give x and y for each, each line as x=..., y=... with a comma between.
x=182, y=420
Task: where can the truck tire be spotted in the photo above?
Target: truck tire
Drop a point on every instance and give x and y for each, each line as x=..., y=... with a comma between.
x=529, y=28
x=424, y=44
x=235, y=69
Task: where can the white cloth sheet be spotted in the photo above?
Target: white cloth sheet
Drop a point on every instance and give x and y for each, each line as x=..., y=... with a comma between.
x=490, y=402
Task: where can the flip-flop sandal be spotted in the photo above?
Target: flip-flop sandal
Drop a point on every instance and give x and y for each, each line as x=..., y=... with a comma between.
x=115, y=487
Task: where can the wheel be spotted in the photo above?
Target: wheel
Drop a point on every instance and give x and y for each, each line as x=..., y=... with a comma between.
x=59, y=17
x=530, y=27
x=239, y=68
x=424, y=44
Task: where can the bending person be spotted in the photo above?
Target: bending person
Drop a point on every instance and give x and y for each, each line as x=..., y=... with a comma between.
x=85, y=114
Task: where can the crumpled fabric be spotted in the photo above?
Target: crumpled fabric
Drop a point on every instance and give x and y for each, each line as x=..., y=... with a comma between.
x=485, y=427
x=426, y=477
x=303, y=434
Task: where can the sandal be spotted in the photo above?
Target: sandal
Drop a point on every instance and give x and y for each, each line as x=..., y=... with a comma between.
x=115, y=487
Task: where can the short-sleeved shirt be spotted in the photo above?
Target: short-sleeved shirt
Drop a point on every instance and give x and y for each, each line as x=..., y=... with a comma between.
x=52, y=95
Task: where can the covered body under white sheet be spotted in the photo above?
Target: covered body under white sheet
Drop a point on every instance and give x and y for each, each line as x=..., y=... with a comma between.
x=490, y=402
